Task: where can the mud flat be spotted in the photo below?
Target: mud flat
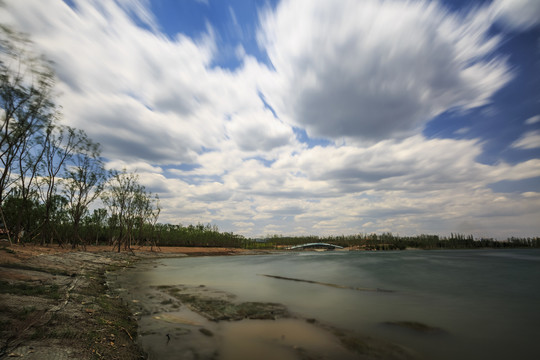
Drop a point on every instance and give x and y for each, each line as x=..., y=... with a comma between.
x=55, y=302
x=198, y=322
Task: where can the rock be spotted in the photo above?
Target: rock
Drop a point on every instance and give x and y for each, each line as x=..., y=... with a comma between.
x=416, y=326
x=206, y=332
x=220, y=306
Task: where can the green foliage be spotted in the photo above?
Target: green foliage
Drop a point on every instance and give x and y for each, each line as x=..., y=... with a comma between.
x=22, y=213
x=198, y=235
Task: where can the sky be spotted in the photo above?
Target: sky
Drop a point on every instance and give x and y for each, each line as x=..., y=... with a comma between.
x=308, y=117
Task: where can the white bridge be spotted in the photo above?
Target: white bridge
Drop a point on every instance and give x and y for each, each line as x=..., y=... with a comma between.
x=316, y=246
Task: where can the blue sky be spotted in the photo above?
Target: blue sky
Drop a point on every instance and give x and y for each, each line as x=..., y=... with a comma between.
x=309, y=117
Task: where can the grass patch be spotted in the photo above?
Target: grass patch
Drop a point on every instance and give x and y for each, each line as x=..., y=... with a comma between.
x=25, y=312
x=96, y=286
x=33, y=268
x=24, y=289
x=5, y=325
x=117, y=327
x=8, y=250
x=105, y=303
x=416, y=326
x=164, y=287
x=114, y=327
x=64, y=332
x=22, y=267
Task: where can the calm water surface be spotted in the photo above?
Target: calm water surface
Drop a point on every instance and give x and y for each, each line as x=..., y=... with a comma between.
x=486, y=301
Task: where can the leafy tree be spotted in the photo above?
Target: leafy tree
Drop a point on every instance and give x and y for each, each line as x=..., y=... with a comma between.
x=14, y=205
x=96, y=224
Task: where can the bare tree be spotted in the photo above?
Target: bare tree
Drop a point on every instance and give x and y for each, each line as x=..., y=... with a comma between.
x=146, y=215
x=26, y=83
x=62, y=142
x=27, y=166
x=129, y=203
x=84, y=180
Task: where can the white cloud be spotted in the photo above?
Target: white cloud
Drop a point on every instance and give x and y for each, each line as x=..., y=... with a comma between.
x=518, y=14
x=532, y=120
x=377, y=69
x=244, y=224
x=462, y=131
x=524, y=170
x=139, y=9
x=529, y=140
x=133, y=166
x=157, y=94
x=259, y=131
x=408, y=186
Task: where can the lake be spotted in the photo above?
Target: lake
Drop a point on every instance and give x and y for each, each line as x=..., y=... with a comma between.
x=448, y=304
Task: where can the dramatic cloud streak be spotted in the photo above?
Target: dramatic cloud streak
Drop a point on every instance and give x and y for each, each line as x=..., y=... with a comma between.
x=518, y=14
x=374, y=70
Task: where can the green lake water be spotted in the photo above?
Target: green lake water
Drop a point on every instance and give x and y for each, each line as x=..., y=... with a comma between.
x=484, y=303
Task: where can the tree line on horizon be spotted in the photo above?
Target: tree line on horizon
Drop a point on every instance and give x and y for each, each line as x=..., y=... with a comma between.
x=389, y=241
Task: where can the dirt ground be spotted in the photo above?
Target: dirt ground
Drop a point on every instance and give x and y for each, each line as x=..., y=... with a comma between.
x=55, y=303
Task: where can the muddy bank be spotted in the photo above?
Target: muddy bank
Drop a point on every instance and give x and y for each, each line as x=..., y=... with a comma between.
x=199, y=322
x=55, y=303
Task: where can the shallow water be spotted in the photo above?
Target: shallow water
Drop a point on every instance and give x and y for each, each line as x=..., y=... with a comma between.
x=484, y=303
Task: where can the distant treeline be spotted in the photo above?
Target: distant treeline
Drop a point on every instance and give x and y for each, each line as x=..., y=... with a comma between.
x=102, y=228
x=198, y=235
x=388, y=241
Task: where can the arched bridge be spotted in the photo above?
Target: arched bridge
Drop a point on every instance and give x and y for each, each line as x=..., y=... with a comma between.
x=316, y=246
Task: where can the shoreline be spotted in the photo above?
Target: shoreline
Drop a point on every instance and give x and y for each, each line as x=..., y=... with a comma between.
x=55, y=302
x=198, y=321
